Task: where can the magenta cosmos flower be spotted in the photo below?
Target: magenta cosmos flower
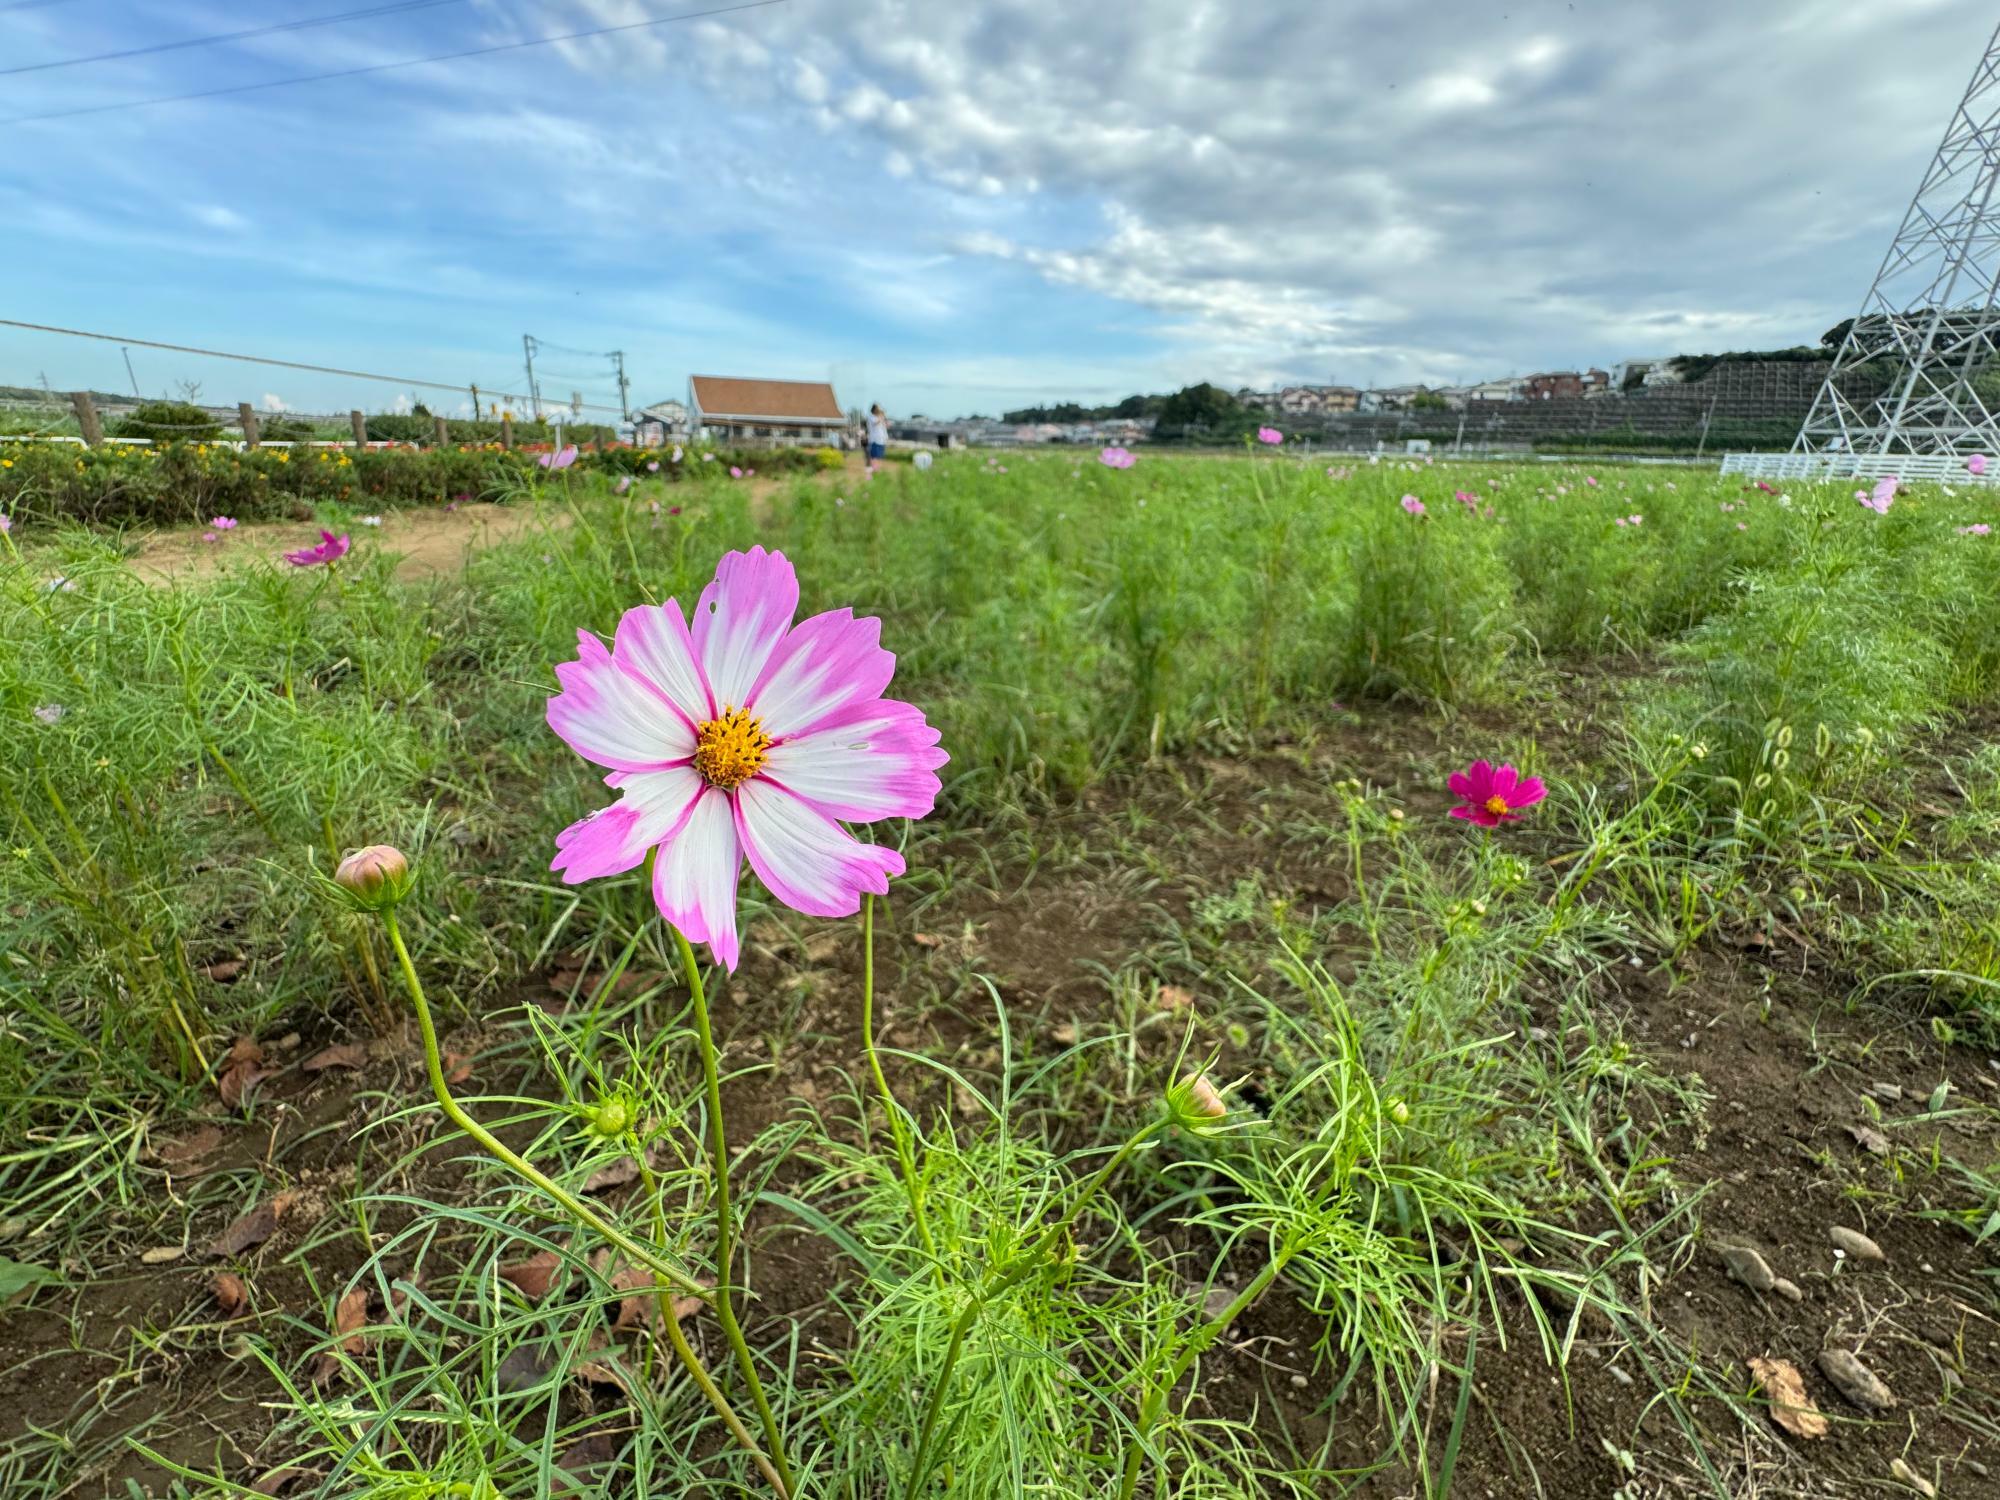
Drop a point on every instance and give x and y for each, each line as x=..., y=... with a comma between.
x=1494, y=794
x=1269, y=435
x=1117, y=458
x=746, y=735
x=560, y=460
x=1413, y=505
x=1976, y=464
x=223, y=523
x=330, y=548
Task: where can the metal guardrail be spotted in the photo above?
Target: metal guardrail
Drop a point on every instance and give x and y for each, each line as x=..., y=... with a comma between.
x=1941, y=467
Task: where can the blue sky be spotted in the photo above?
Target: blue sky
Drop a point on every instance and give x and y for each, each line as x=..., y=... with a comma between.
x=954, y=206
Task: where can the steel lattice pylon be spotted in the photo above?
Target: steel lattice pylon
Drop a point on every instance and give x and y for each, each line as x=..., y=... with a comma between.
x=1928, y=324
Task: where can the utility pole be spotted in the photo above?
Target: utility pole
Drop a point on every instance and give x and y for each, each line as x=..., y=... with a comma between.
x=128, y=371
x=534, y=391
x=624, y=385
x=475, y=403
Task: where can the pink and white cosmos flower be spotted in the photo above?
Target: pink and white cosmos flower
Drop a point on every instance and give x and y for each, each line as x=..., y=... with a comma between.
x=746, y=735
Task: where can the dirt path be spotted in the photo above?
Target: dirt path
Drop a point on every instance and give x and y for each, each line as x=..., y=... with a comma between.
x=429, y=541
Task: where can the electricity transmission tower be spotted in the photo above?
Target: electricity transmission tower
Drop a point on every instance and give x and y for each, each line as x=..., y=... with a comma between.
x=1928, y=325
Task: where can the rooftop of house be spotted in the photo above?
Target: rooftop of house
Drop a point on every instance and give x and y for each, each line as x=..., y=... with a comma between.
x=766, y=400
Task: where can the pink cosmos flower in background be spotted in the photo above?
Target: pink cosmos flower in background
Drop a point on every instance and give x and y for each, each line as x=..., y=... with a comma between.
x=1628, y=520
x=1466, y=498
x=745, y=736
x=1769, y=489
x=1882, y=496
x=622, y=485
x=1977, y=528
x=1591, y=480
x=734, y=472
x=1492, y=794
x=1976, y=464
x=1117, y=458
x=560, y=460
x=1270, y=435
x=330, y=549
x=223, y=523
x=653, y=465
x=1413, y=505
x=6, y=523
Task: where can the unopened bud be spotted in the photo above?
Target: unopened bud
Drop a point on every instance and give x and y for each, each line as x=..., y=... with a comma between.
x=1202, y=1097
x=376, y=876
x=1399, y=1111
x=612, y=1117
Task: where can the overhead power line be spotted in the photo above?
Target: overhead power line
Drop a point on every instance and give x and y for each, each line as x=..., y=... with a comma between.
x=412, y=62
x=373, y=12
x=283, y=364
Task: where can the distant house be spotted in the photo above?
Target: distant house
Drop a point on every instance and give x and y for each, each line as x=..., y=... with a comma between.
x=662, y=422
x=1508, y=389
x=1597, y=382
x=782, y=412
x=1552, y=383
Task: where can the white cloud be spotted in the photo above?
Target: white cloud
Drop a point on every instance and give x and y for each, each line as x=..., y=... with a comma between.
x=1440, y=190
x=275, y=403
x=215, y=216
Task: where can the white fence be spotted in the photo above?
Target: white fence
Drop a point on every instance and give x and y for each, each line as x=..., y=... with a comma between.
x=1943, y=467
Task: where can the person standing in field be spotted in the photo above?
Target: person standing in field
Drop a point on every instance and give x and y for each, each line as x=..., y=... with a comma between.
x=878, y=436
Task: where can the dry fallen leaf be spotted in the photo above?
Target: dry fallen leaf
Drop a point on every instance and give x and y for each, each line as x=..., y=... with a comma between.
x=181, y=1152
x=1869, y=1139
x=350, y=1317
x=242, y=1069
x=1173, y=997
x=231, y=1295
x=1791, y=1407
x=276, y=1481
x=224, y=970
x=159, y=1255
x=253, y=1228
x=339, y=1055
x=925, y=939
x=457, y=1067
x=531, y=1277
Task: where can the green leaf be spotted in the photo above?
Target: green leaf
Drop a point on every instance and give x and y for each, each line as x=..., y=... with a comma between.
x=16, y=1278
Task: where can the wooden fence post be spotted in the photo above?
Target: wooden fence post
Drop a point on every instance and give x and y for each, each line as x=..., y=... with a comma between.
x=360, y=424
x=86, y=418
x=443, y=431
x=247, y=420
x=507, y=430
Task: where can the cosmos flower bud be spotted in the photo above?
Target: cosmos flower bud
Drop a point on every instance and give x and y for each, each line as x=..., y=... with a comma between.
x=375, y=877
x=613, y=1116
x=1199, y=1098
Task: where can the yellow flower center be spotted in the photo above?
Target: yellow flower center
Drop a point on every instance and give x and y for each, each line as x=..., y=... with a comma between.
x=730, y=750
x=1497, y=805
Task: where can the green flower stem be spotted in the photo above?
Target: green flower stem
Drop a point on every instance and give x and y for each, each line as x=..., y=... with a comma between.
x=996, y=1282
x=725, y=1221
x=664, y=1295
x=898, y=1127
x=567, y=1201
x=1156, y=1398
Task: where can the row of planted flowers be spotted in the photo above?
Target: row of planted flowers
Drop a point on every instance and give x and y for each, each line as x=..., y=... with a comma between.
x=184, y=484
